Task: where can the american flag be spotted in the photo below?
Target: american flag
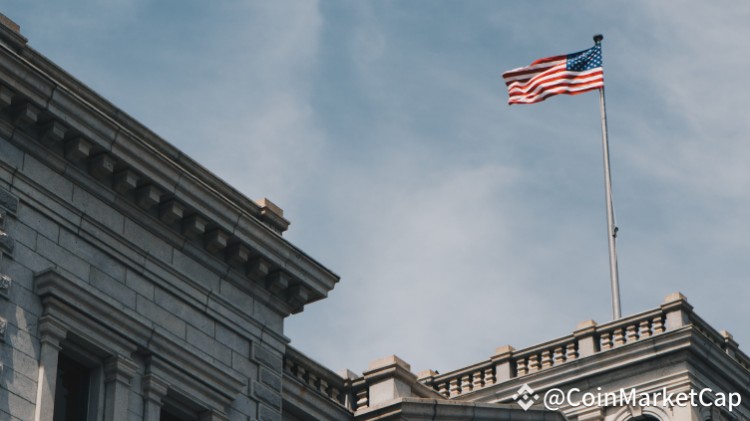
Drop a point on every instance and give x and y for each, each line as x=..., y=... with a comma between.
x=569, y=74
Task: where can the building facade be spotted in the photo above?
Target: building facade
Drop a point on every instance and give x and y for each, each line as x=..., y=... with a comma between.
x=136, y=285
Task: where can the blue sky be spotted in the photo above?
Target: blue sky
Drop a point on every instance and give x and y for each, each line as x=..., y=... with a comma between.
x=457, y=223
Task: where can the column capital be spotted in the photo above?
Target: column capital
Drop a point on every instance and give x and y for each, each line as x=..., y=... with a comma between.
x=120, y=369
x=154, y=387
x=51, y=331
x=154, y=391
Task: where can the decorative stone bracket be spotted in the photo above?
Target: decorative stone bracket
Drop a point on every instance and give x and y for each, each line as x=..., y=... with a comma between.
x=8, y=204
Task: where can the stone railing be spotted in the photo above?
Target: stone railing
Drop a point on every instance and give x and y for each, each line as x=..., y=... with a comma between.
x=588, y=339
x=391, y=377
x=360, y=394
x=317, y=378
x=723, y=340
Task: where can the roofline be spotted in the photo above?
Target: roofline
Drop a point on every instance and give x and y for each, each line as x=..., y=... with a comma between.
x=62, y=110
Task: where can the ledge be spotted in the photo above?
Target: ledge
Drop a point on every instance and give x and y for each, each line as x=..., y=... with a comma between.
x=62, y=298
x=431, y=409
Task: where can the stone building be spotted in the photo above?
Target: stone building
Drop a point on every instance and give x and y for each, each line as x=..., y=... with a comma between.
x=136, y=285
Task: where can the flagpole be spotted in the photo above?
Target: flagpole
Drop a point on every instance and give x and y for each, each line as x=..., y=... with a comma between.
x=611, y=227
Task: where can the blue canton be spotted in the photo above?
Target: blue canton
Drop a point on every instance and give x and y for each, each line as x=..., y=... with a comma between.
x=585, y=60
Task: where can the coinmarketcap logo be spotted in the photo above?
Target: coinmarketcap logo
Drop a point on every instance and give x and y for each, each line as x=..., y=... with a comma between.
x=525, y=397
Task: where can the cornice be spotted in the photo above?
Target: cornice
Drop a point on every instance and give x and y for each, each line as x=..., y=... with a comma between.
x=44, y=107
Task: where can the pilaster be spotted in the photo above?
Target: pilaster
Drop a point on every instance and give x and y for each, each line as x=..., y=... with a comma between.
x=118, y=371
x=154, y=391
x=51, y=334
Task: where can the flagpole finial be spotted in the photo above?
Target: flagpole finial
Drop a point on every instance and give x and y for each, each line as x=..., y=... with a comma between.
x=598, y=38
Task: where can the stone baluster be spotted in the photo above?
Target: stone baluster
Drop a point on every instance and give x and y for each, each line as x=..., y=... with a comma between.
x=323, y=386
x=658, y=325
x=334, y=395
x=606, y=341
x=632, y=333
x=301, y=373
x=454, y=390
x=546, y=359
x=362, y=398
x=570, y=352
x=559, y=355
x=477, y=383
x=644, y=329
x=618, y=337
x=289, y=366
x=489, y=376
x=466, y=384
x=533, y=363
x=521, y=367
x=443, y=389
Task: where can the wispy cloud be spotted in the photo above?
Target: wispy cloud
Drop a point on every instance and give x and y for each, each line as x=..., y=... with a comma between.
x=457, y=223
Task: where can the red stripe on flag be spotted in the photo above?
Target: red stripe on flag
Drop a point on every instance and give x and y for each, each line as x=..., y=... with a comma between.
x=549, y=76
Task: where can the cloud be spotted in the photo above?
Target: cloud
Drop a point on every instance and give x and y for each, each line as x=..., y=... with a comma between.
x=458, y=223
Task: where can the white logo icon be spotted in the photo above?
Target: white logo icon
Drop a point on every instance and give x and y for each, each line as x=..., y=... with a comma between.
x=525, y=397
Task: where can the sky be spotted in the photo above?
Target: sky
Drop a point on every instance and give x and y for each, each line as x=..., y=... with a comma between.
x=457, y=223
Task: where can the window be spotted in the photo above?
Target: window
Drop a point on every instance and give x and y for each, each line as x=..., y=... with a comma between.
x=166, y=416
x=178, y=408
x=71, y=390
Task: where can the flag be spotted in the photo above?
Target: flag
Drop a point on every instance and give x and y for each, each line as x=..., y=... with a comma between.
x=570, y=74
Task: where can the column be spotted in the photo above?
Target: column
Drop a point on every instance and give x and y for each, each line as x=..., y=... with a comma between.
x=118, y=371
x=51, y=333
x=154, y=390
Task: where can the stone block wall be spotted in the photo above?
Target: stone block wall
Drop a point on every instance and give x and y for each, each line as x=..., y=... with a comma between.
x=154, y=283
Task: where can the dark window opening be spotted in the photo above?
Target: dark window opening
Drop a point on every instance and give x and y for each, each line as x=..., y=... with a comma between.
x=169, y=414
x=71, y=390
x=166, y=416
